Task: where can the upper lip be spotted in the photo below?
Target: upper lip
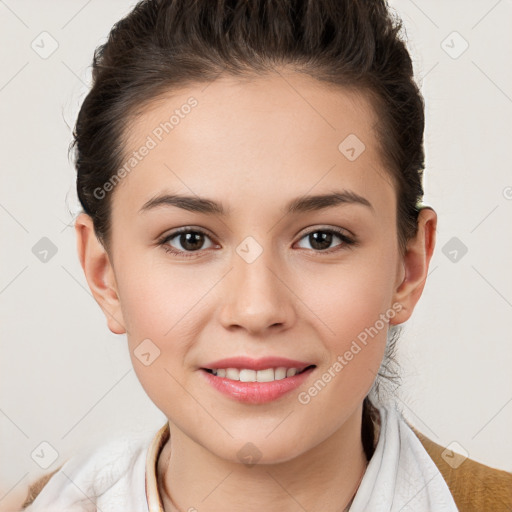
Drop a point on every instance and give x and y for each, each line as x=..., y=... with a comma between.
x=242, y=362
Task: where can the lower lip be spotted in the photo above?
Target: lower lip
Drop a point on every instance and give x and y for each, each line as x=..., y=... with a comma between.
x=256, y=392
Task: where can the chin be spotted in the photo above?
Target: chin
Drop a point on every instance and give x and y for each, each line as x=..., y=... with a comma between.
x=258, y=450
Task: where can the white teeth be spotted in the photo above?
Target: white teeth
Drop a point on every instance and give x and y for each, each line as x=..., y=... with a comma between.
x=280, y=373
x=291, y=372
x=265, y=375
x=232, y=373
x=246, y=375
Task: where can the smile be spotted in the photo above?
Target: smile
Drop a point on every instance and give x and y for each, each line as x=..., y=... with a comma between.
x=256, y=386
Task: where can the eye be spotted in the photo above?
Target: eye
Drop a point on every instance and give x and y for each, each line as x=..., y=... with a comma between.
x=321, y=239
x=185, y=240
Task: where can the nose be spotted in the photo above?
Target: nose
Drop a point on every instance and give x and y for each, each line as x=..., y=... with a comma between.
x=256, y=297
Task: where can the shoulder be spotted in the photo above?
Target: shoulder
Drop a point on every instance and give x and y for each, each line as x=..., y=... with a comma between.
x=115, y=468
x=474, y=486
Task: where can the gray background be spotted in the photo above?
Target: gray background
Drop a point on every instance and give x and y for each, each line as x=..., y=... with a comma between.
x=67, y=381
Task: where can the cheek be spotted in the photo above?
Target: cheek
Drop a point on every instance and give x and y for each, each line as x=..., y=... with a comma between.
x=354, y=341
x=159, y=315
x=360, y=322
x=353, y=308
x=158, y=299
x=349, y=299
x=163, y=306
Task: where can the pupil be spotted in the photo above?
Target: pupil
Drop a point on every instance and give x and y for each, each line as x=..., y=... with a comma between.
x=191, y=241
x=320, y=240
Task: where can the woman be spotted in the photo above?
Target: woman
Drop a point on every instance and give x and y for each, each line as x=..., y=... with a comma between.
x=250, y=174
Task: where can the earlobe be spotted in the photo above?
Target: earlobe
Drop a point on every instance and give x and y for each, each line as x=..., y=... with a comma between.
x=99, y=273
x=415, y=264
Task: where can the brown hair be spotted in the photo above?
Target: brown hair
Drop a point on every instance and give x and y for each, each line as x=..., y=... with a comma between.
x=162, y=45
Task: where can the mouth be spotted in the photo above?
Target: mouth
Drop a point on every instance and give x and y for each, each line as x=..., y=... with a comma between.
x=257, y=386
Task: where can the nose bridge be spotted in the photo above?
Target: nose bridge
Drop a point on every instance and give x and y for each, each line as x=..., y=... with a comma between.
x=256, y=297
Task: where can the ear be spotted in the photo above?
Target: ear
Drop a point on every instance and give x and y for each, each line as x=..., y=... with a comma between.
x=99, y=273
x=415, y=265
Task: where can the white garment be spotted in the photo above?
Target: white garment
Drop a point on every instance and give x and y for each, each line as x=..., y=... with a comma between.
x=109, y=479
x=401, y=476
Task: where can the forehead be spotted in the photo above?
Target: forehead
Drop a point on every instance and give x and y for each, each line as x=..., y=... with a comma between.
x=268, y=137
x=253, y=110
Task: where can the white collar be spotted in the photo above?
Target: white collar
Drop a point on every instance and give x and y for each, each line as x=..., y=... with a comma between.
x=152, y=493
x=401, y=476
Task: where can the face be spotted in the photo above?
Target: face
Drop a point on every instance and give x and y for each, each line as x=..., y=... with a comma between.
x=275, y=274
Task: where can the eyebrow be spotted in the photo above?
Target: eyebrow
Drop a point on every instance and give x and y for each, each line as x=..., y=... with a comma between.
x=299, y=205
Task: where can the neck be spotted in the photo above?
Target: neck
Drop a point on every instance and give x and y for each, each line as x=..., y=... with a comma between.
x=324, y=478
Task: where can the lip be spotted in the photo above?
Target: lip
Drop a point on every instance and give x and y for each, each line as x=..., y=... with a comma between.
x=263, y=363
x=256, y=392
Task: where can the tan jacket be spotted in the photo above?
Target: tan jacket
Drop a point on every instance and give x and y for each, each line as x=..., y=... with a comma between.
x=475, y=487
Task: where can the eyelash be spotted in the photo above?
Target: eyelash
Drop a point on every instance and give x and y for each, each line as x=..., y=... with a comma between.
x=163, y=242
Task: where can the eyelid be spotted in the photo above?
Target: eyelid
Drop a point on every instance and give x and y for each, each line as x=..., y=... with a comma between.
x=312, y=229
x=184, y=229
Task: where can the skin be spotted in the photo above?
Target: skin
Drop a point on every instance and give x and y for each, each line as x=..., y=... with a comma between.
x=253, y=146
